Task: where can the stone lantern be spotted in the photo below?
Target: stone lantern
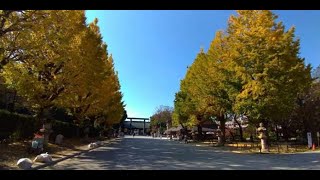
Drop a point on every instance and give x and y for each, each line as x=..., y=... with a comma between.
x=219, y=135
x=262, y=136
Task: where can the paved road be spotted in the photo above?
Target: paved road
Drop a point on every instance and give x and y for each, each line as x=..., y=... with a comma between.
x=159, y=154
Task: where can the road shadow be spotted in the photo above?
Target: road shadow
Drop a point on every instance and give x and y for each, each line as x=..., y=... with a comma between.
x=160, y=154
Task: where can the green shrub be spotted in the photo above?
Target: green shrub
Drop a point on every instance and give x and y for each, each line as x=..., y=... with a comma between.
x=66, y=129
x=17, y=126
x=16, y=135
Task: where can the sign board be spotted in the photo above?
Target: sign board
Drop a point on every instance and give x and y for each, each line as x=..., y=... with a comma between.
x=318, y=134
x=309, y=140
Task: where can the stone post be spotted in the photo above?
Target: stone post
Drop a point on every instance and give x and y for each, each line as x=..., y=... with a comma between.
x=86, y=132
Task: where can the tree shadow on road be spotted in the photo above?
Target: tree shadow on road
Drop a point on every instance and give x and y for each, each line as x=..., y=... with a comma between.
x=155, y=154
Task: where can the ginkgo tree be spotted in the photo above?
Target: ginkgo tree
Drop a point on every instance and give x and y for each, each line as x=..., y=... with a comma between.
x=15, y=26
x=109, y=104
x=204, y=84
x=252, y=69
x=182, y=109
x=265, y=58
x=42, y=78
x=69, y=67
x=86, y=75
x=94, y=93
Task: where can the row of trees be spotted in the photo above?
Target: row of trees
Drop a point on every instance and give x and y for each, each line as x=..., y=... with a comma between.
x=252, y=69
x=55, y=59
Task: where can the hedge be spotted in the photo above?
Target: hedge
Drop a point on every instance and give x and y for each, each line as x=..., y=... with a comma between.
x=17, y=126
x=66, y=129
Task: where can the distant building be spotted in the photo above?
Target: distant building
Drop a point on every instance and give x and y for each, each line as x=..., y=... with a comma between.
x=243, y=120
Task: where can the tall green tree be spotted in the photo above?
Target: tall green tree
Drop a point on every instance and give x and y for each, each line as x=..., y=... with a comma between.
x=205, y=86
x=162, y=118
x=265, y=58
x=305, y=117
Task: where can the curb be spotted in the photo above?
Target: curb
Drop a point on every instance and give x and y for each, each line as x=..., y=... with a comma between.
x=71, y=156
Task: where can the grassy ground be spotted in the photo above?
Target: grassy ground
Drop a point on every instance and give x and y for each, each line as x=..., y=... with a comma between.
x=11, y=153
x=242, y=147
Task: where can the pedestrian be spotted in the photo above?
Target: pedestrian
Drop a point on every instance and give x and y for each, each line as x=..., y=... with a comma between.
x=133, y=134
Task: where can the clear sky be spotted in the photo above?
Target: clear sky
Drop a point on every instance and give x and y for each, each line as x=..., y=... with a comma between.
x=152, y=49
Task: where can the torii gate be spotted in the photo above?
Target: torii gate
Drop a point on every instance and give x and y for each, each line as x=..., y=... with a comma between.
x=144, y=123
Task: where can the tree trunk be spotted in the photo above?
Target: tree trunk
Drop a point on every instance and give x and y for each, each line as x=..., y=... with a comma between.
x=47, y=132
x=285, y=133
x=77, y=131
x=86, y=132
x=240, y=127
x=231, y=133
x=199, y=132
x=277, y=133
x=266, y=125
x=40, y=116
x=13, y=101
x=223, y=129
x=184, y=131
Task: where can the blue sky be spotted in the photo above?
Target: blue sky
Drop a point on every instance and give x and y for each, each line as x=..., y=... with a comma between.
x=152, y=49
